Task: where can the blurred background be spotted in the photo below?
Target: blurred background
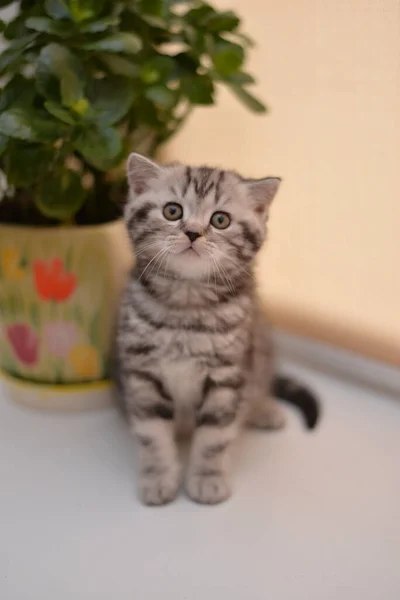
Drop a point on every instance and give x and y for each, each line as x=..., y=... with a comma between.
x=329, y=72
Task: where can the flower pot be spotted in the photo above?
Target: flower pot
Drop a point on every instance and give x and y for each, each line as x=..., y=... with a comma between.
x=59, y=291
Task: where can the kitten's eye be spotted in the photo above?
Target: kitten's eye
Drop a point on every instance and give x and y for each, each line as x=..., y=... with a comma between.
x=220, y=220
x=172, y=211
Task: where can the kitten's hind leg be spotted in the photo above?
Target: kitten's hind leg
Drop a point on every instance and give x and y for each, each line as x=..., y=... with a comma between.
x=265, y=414
x=152, y=423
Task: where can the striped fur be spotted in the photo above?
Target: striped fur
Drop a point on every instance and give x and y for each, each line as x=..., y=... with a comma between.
x=193, y=349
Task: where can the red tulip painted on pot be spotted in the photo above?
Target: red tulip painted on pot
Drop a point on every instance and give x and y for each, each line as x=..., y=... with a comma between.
x=24, y=342
x=52, y=281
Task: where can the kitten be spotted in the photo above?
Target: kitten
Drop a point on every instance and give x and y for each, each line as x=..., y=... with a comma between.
x=193, y=347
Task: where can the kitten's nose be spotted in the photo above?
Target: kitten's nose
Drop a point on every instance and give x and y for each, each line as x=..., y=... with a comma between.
x=193, y=235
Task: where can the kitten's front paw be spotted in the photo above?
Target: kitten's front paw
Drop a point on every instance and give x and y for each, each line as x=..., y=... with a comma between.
x=160, y=488
x=208, y=488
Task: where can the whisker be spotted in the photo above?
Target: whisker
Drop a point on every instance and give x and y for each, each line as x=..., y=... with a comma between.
x=150, y=262
x=163, y=257
x=235, y=263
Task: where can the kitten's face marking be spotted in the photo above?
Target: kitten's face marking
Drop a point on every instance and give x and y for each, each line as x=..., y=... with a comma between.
x=195, y=223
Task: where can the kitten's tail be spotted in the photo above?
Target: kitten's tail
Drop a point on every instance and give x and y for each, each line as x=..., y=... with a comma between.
x=293, y=392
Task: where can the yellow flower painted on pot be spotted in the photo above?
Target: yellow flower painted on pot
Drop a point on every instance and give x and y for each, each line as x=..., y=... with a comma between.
x=85, y=361
x=11, y=264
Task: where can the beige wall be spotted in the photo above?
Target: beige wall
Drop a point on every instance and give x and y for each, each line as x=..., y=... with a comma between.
x=330, y=71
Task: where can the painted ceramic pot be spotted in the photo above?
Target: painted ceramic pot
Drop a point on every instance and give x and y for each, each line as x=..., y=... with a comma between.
x=59, y=291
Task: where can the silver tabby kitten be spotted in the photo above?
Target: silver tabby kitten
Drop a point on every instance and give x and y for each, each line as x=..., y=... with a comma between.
x=193, y=347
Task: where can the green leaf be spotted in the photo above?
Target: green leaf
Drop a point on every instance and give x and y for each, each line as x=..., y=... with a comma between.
x=227, y=58
x=47, y=25
x=120, y=65
x=123, y=42
x=57, y=9
x=27, y=124
x=101, y=148
x=18, y=92
x=161, y=95
x=241, y=78
x=154, y=21
x=200, y=14
x=27, y=163
x=14, y=53
x=246, y=40
x=16, y=28
x=3, y=143
x=100, y=25
x=222, y=21
x=59, y=112
x=2, y=25
x=110, y=99
x=186, y=62
x=82, y=10
x=151, y=7
x=248, y=99
x=10, y=58
x=60, y=195
x=198, y=89
x=156, y=69
x=59, y=75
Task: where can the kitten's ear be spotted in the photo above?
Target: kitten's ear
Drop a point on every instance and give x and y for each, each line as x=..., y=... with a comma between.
x=263, y=192
x=141, y=171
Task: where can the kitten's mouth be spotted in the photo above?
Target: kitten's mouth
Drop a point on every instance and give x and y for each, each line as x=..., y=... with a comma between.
x=190, y=250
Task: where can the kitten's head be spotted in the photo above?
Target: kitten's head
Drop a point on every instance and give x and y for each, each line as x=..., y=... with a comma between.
x=195, y=222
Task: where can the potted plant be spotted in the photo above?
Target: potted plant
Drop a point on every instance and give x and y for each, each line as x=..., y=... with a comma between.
x=84, y=82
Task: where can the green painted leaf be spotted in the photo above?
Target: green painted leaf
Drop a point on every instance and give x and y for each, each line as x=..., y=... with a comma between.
x=47, y=25
x=60, y=76
x=94, y=330
x=34, y=316
x=248, y=99
x=110, y=99
x=60, y=195
x=122, y=42
x=27, y=124
x=161, y=95
x=78, y=314
x=227, y=58
x=57, y=9
x=120, y=65
x=68, y=259
x=101, y=148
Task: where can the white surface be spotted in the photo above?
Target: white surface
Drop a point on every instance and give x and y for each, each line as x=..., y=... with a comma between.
x=341, y=363
x=314, y=517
